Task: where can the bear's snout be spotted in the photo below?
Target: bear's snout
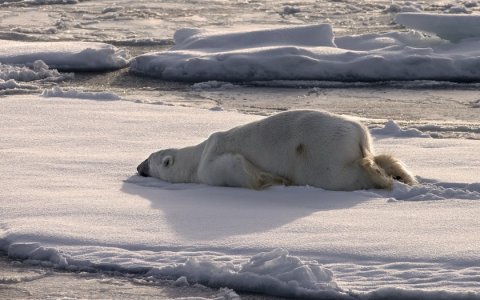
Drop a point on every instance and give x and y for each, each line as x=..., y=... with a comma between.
x=143, y=168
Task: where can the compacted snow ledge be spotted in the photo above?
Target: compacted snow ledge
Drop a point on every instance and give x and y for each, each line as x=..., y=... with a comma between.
x=311, y=53
x=274, y=273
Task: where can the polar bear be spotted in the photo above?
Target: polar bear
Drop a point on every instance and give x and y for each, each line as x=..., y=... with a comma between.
x=301, y=147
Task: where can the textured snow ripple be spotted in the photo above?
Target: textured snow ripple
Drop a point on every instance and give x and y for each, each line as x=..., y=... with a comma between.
x=418, y=275
x=431, y=190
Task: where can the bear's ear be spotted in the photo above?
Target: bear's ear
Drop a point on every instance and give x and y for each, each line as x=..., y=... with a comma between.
x=167, y=161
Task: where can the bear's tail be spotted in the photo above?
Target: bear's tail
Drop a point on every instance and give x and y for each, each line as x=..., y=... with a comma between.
x=376, y=174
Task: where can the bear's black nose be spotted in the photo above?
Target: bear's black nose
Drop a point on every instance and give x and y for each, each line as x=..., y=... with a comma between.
x=142, y=168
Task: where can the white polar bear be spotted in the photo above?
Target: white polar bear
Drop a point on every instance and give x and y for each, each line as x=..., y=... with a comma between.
x=292, y=148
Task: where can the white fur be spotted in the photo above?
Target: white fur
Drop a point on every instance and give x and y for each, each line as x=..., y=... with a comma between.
x=297, y=147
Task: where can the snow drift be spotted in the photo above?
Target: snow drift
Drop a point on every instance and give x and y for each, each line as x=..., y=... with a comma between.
x=311, y=53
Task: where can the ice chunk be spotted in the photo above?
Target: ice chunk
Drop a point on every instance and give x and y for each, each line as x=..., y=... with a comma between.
x=391, y=128
x=213, y=84
x=45, y=2
x=9, y=84
x=37, y=71
x=411, y=7
x=59, y=92
x=449, y=27
x=34, y=251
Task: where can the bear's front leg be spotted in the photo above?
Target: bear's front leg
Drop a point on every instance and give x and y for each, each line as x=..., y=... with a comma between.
x=235, y=170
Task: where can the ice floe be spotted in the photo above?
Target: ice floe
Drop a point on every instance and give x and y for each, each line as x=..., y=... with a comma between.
x=311, y=53
x=66, y=56
x=79, y=206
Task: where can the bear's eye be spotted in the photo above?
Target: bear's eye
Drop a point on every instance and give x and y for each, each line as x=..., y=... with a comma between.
x=399, y=178
x=167, y=161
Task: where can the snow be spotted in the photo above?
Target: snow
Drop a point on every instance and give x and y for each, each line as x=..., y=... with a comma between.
x=59, y=92
x=311, y=53
x=447, y=26
x=66, y=56
x=71, y=200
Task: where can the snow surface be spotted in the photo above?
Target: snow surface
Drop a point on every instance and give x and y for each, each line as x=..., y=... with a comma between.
x=70, y=198
x=447, y=26
x=66, y=56
x=311, y=53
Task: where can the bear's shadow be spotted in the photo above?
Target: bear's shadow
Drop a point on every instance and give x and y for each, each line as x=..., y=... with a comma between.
x=201, y=212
